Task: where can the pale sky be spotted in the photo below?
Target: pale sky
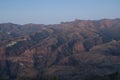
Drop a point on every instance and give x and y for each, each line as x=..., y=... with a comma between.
x=56, y=11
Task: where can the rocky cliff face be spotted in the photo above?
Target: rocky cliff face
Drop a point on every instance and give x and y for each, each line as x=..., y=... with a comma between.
x=66, y=51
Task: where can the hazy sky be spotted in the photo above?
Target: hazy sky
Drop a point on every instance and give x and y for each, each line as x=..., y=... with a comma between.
x=55, y=11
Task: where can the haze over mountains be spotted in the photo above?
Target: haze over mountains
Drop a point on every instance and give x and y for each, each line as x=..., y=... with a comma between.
x=76, y=50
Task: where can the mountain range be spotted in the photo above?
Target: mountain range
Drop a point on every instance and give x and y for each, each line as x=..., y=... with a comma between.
x=76, y=50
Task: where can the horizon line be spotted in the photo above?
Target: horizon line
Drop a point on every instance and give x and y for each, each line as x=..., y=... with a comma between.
x=58, y=22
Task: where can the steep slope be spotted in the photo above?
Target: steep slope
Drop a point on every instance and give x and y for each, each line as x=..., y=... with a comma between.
x=66, y=51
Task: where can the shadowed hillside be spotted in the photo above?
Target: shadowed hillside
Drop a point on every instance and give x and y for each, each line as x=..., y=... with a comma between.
x=77, y=50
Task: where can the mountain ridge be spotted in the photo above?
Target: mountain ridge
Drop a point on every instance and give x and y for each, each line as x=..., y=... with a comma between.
x=66, y=51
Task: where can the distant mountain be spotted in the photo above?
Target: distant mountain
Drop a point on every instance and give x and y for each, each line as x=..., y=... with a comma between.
x=16, y=30
x=77, y=50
